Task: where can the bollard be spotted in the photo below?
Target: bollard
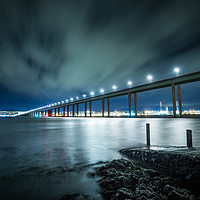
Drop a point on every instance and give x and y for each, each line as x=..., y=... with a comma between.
x=189, y=138
x=148, y=134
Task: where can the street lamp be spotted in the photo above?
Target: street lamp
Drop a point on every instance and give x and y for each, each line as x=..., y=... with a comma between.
x=130, y=83
x=114, y=87
x=102, y=90
x=92, y=93
x=177, y=70
x=71, y=99
x=67, y=100
x=149, y=77
x=84, y=95
x=77, y=98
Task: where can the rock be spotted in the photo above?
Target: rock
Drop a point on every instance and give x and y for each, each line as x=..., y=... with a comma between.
x=123, y=193
x=91, y=174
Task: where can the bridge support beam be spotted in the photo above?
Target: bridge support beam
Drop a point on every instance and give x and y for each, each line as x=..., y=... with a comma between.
x=77, y=110
x=90, y=108
x=73, y=110
x=129, y=103
x=58, y=111
x=67, y=110
x=85, y=109
x=135, y=102
x=103, y=107
x=108, y=105
x=63, y=114
x=179, y=100
x=174, y=100
x=55, y=111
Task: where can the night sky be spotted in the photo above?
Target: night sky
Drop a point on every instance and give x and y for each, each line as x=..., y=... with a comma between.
x=54, y=50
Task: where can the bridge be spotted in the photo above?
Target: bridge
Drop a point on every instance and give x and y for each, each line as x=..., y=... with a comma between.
x=171, y=82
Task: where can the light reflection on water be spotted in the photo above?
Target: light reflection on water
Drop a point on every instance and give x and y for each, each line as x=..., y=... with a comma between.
x=50, y=143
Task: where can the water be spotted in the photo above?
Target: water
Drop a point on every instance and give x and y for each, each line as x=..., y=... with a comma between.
x=45, y=158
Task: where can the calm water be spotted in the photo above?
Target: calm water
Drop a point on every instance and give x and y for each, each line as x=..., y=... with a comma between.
x=45, y=158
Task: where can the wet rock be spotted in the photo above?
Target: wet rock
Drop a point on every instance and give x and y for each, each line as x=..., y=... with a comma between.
x=123, y=193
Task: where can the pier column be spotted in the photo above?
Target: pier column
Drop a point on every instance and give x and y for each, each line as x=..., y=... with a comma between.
x=108, y=105
x=179, y=100
x=85, y=109
x=67, y=110
x=135, y=102
x=174, y=100
x=129, y=103
x=77, y=109
x=90, y=108
x=102, y=107
x=55, y=112
x=58, y=111
x=63, y=111
x=45, y=113
x=73, y=110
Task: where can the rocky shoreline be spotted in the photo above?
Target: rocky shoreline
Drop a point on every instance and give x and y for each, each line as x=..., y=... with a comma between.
x=134, y=179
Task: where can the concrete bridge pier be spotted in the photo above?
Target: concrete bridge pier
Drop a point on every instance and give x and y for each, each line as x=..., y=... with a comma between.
x=73, y=110
x=179, y=100
x=129, y=103
x=67, y=110
x=103, y=107
x=108, y=105
x=63, y=114
x=135, y=102
x=85, y=109
x=174, y=100
x=90, y=103
x=77, y=110
x=58, y=111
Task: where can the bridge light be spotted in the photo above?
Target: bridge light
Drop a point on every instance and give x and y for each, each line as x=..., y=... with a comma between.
x=102, y=90
x=176, y=70
x=67, y=100
x=58, y=103
x=130, y=83
x=71, y=99
x=114, y=87
x=77, y=98
x=62, y=102
x=92, y=93
x=149, y=77
x=55, y=104
x=84, y=95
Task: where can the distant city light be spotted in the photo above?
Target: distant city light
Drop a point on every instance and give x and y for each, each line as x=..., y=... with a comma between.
x=114, y=87
x=102, y=90
x=77, y=98
x=84, y=95
x=130, y=83
x=71, y=99
x=149, y=77
x=92, y=93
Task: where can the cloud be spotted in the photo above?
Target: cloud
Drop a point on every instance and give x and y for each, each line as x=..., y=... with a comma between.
x=55, y=47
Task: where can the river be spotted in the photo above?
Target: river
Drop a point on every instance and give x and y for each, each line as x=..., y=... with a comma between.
x=45, y=158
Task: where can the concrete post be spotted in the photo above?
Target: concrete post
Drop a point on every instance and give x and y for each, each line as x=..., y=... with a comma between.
x=67, y=110
x=135, y=101
x=189, y=138
x=148, y=134
x=174, y=100
x=77, y=111
x=179, y=100
x=129, y=103
x=108, y=105
x=73, y=110
x=102, y=107
x=63, y=111
x=90, y=108
x=85, y=109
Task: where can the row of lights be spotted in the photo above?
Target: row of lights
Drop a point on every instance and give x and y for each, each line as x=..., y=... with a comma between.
x=114, y=87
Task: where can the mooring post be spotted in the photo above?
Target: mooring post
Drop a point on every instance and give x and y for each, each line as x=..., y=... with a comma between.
x=148, y=134
x=189, y=137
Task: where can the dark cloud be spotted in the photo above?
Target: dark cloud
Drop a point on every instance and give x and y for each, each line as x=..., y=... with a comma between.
x=51, y=47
